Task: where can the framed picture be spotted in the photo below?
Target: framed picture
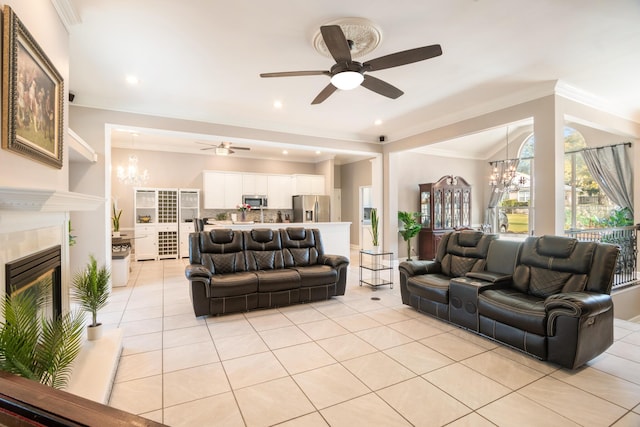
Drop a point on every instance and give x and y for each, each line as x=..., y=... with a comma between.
x=32, y=96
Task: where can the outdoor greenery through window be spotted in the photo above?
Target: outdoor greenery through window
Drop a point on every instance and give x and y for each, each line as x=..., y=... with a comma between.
x=586, y=205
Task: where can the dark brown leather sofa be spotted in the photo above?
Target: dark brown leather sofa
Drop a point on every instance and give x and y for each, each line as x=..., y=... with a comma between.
x=234, y=271
x=547, y=296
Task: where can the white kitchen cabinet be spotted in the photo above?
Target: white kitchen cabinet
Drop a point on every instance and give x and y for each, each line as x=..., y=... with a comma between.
x=222, y=190
x=279, y=191
x=308, y=184
x=146, y=242
x=189, y=208
x=232, y=190
x=213, y=189
x=254, y=184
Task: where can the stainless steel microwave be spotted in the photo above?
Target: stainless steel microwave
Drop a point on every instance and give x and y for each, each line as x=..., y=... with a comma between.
x=255, y=201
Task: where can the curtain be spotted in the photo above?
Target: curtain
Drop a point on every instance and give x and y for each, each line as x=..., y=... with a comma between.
x=610, y=167
x=498, y=187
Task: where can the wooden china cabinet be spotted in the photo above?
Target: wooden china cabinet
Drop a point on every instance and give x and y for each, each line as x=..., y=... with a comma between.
x=445, y=205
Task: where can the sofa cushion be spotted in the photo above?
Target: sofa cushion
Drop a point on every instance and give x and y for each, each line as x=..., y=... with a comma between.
x=264, y=249
x=457, y=266
x=317, y=275
x=552, y=264
x=228, y=285
x=301, y=246
x=514, y=308
x=434, y=287
x=224, y=263
x=277, y=280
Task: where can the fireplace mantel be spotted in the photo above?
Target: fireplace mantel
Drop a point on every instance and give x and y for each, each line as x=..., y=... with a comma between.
x=46, y=200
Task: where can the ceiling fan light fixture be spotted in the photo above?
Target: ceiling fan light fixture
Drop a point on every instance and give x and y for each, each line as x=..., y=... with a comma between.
x=222, y=151
x=347, y=80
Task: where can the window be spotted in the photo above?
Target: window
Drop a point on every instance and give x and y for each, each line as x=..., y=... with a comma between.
x=515, y=208
x=585, y=203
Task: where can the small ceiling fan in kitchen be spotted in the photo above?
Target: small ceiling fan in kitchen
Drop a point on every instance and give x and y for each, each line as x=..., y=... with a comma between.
x=223, y=149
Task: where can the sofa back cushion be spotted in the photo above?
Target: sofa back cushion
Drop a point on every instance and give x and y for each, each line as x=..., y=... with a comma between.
x=264, y=249
x=552, y=264
x=503, y=256
x=221, y=251
x=301, y=246
x=465, y=251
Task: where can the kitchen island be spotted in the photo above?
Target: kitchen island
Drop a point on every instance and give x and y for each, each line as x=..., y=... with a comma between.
x=335, y=235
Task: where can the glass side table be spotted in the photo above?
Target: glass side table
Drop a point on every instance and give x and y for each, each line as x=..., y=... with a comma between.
x=376, y=268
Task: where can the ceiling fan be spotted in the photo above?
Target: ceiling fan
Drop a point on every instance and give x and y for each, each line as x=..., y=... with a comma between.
x=224, y=149
x=347, y=74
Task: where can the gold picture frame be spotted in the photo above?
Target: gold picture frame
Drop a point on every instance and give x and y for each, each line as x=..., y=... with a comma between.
x=32, y=96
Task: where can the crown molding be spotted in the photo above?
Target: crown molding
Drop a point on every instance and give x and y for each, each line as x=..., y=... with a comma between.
x=67, y=13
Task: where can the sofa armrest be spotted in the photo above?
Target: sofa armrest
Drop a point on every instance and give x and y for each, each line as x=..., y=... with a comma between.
x=414, y=268
x=198, y=272
x=489, y=276
x=577, y=304
x=333, y=260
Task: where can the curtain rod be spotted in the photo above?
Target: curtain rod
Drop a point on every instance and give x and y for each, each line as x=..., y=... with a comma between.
x=597, y=148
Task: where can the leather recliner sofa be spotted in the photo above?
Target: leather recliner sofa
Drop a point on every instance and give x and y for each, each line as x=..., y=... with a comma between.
x=234, y=270
x=548, y=296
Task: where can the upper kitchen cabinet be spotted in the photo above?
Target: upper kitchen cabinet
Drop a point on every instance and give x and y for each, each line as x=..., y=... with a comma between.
x=254, y=184
x=308, y=184
x=279, y=191
x=221, y=190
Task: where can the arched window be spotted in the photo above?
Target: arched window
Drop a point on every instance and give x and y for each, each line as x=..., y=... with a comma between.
x=516, y=206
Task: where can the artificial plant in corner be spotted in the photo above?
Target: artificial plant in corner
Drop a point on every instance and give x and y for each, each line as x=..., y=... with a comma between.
x=374, y=227
x=411, y=228
x=91, y=291
x=35, y=346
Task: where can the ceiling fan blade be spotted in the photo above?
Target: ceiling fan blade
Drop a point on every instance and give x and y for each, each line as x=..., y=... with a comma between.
x=207, y=148
x=379, y=86
x=324, y=94
x=402, y=58
x=295, y=73
x=336, y=42
x=241, y=148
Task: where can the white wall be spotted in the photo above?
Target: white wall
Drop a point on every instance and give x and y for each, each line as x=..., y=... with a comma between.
x=41, y=20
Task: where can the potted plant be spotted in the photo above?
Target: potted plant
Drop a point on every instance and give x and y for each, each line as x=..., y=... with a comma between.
x=243, y=208
x=91, y=291
x=411, y=228
x=34, y=345
x=115, y=221
x=374, y=228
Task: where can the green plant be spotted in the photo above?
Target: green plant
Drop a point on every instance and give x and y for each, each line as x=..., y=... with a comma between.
x=91, y=288
x=374, y=227
x=221, y=216
x=411, y=224
x=34, y=346
x=620, y=217
x=72, y=238
x=115, y=218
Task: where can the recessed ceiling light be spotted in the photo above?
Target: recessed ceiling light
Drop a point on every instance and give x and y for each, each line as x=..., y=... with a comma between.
x=378, y=122
x=277, y=104
x=285, y=152
x=132, y=80
x=318, y=152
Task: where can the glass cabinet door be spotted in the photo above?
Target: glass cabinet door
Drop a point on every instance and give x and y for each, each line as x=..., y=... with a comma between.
x=457, y=207
x=448, y=220
x=437, y=209
x=425, y=208
x=466, y=207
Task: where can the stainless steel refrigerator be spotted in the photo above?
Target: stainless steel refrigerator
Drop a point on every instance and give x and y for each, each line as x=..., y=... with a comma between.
x=311, y=208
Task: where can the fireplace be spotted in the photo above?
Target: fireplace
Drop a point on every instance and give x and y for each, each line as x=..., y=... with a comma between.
x=27, y=273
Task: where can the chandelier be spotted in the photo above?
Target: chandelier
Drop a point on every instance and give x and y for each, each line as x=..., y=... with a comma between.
x=504, y=171
x=131, y=174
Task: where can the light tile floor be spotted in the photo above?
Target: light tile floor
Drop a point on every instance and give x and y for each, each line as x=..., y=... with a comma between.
x=350, y=361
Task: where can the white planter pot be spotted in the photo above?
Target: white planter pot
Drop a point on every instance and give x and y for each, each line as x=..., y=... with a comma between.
x=94, y=333
x=115, y=234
